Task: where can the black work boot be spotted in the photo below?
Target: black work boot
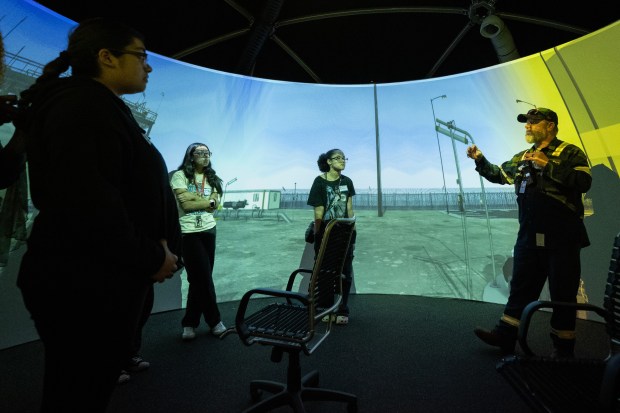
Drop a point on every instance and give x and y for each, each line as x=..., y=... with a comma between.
x=496, y=338
x=562, y=348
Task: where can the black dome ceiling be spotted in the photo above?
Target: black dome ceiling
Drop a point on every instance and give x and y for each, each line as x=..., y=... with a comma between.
x=347, y=41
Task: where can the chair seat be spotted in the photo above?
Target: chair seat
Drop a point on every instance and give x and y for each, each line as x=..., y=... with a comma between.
x=281, y=320
x=555, y=385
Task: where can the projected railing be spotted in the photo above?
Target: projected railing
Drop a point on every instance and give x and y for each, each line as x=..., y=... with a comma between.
x=417, y=200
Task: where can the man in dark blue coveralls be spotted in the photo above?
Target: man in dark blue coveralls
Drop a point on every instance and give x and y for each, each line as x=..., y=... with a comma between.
x=550, y=179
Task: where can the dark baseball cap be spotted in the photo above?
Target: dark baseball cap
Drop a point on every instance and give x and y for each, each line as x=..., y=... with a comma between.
x=539, y=114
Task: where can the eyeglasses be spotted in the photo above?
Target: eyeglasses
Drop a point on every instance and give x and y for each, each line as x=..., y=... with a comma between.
x=339, y=158
x=140, y=55
x=202, y=153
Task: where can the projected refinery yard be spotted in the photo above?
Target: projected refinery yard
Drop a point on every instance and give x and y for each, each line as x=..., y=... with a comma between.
x=22, y=72
x=424, y=243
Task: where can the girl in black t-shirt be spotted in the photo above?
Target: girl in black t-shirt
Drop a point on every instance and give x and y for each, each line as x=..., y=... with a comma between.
x=331, y=196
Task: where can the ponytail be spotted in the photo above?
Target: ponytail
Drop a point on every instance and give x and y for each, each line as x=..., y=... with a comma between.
x=51, y=71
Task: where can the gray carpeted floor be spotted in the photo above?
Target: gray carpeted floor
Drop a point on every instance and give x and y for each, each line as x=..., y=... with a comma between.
x=399, y=354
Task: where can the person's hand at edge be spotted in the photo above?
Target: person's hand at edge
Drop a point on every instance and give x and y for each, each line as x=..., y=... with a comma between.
x=169, y=265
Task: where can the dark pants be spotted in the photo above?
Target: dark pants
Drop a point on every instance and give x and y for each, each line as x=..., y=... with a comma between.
x=85, y=323
x=147, y=308
x=561, y=266
x=199, y=256
x=347, y=279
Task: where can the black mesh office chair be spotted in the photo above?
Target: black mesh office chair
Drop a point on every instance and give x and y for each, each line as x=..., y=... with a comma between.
x=571, y=384
x=290, y=322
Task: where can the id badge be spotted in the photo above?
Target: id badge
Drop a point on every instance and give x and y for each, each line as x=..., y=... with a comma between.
x=198, y=221
x=522, y=187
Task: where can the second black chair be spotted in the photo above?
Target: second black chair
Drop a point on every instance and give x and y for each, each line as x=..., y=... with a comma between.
x=560, y=385
x=290, y=322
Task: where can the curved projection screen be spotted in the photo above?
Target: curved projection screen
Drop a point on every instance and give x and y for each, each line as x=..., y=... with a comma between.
x=427, y=224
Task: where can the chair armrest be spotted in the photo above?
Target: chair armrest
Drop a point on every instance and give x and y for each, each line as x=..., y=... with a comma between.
x=291, y=278
x=531, y=308
x=272, y=292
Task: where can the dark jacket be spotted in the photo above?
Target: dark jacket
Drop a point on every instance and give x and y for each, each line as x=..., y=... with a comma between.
x=100, y=186
x=550, y=199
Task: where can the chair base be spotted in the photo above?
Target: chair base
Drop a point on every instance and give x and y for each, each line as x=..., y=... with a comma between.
x=294, y=396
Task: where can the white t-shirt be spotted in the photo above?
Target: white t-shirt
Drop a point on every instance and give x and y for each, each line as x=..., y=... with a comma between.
x=192, y=221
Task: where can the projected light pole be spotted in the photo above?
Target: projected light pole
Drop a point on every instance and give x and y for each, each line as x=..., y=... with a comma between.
x=463, y=136
x=379, y=190
x=445, y=191
x=226, y=187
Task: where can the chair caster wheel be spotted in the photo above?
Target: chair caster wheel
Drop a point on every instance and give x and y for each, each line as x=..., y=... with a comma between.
x=256, y=394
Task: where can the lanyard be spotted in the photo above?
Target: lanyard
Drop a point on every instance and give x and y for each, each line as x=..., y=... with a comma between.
x=201, y=191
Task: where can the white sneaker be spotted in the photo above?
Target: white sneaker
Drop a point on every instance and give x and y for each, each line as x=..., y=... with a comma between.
x=123, y=378
x=188, y=333
x=137, y=364
x=326, y=318
x=219, y=329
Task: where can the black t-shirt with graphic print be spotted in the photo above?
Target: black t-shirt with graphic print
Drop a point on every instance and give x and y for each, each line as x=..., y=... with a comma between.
x=332, y=195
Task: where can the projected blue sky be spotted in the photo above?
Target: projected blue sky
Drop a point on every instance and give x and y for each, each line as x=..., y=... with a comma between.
x=268, y=134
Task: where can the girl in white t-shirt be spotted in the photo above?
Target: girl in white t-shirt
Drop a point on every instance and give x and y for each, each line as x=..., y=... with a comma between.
x=198, y=188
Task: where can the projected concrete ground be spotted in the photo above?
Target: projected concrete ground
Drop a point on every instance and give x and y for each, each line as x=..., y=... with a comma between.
x=402, y=252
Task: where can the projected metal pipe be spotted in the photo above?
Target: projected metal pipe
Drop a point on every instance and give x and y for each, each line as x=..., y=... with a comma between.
x=443, y=175
x=450, y=133
x=465, y=137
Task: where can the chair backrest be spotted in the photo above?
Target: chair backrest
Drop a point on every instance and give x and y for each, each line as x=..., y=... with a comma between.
x=611, y=301
x=290, y=319
x=326, y=279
